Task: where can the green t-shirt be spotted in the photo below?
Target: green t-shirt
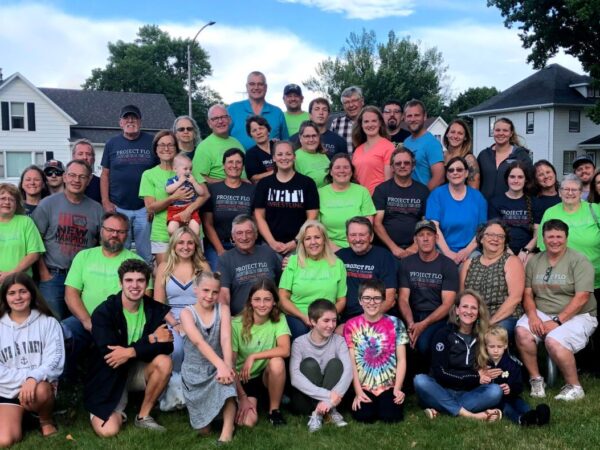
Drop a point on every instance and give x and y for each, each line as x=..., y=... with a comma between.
x=208, y=159
x=337, y=207
x=95, y=275
x=317, y=279
x=135, y=323
x=19, y=237
x=153, y=184
x=572, y=274
x=263, y=337
x=584, y=235
x=293, y=121
x=313, y=165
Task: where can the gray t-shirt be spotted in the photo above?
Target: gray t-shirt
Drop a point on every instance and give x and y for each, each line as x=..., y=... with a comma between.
x=239, y=271
x=572, y=273
x=67, y=228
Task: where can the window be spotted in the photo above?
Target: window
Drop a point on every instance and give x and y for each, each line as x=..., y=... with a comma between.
x=12, y=164
x=593, y=92
x=491, y=121
x=17, y=116
x=574, y=120
x=568, y=157
x=530, y=120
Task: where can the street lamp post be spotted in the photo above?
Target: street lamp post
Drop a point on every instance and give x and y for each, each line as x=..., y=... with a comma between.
x=189, y=58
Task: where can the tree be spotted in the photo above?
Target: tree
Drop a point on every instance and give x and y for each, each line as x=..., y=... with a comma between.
x=546, y=26
x=157, y=63
x=466, y=100
x=397, y=69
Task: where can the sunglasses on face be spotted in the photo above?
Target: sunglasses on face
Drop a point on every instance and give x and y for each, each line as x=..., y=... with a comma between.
x=53, y=173
x=455, y=169
x=182, y=129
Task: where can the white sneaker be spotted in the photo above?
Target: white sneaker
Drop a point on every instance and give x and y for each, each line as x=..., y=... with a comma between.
x=336, y=418
x=315, y=422
x=537, y=387
x=570, y=392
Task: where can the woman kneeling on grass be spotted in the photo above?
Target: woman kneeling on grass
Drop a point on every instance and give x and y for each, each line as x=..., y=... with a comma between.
x=206, y=373
x=261, y=340
x=28, y=380
x=456, y=386
x=377, y=345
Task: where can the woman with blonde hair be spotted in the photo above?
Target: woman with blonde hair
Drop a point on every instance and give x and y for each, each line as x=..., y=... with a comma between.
x=313, y=272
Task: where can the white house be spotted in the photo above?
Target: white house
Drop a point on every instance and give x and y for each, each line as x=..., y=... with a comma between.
x=549, y=112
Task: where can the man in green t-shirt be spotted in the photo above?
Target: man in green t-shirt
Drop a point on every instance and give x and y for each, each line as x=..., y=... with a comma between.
x=131, y=353
x=560, y=309
x=294, y=116
x=91, y=279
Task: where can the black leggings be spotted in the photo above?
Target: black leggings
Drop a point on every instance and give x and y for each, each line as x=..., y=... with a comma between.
x=382, y=407
x=327, y=379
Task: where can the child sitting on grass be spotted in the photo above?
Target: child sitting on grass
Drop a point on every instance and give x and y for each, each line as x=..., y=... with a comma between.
x=505, y=371
x=183, y=168
x=320, y=368
x=377, y=345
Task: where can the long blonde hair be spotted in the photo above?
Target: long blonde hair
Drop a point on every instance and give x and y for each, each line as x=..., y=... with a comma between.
x=198, y=259
x=483, y=317
x=301, y=250
x=496, y=331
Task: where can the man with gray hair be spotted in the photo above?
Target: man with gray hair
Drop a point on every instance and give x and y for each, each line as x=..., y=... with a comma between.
x=353, y=102
x=208, y=159
x=83, y=149
x=255, y=105
x=245, y=264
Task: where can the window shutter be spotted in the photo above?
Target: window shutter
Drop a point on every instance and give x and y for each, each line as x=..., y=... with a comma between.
x=31, y=116
x=5, y=117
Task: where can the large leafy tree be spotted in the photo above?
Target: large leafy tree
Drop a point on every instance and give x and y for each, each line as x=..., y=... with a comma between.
x=466, y=100
x=157, y=63
x=549, y=25
x=398, y=69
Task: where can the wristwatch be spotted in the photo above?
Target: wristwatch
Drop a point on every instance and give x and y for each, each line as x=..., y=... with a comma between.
x=557, y=320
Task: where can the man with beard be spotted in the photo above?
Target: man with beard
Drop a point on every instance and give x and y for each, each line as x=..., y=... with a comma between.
x=393, y=115
x=429, y=168
x=583, y=167
x=294, y=116
x=91, y=279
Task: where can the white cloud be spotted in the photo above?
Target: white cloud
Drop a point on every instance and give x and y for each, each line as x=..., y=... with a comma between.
x=362, y=9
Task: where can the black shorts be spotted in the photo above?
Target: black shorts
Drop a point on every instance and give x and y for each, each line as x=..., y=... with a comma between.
x=256, y=388
x=9, y=401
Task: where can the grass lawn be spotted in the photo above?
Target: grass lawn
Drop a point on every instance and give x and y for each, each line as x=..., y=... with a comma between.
x=573, y=425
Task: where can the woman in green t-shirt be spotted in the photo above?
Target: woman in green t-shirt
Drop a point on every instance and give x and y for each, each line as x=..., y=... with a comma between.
x=260, y=340
x=311, y=157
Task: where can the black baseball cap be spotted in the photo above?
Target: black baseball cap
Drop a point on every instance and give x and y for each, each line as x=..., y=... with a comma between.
x=130, y=109
x=292, y=89
x=582, y=160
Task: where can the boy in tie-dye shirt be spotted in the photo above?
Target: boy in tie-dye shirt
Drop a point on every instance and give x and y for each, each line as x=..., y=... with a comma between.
x=377, y=344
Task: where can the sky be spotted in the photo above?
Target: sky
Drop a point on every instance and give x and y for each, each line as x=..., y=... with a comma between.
x=57, y=43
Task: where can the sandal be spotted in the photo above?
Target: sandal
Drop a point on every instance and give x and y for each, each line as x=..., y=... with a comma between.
x=493, y=415
x=48, y=423
x=431, y=413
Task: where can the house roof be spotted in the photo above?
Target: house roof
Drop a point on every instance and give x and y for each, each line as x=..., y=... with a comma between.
x=100, y=109
x=550, y=86
x=591, y=141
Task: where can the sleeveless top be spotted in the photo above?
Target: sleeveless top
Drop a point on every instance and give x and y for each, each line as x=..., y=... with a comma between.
x=179, y=295
x=490, y=282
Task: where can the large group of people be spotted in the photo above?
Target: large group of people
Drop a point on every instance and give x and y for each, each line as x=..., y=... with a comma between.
x=329, y=252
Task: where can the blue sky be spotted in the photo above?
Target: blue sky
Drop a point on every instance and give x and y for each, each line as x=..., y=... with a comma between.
x=57, y=43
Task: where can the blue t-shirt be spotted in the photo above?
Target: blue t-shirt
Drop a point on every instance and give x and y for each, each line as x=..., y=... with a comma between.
x=186, y=184
x=428, y=151
x=377, y=263
x=240, y=111
x=458, y=219
x=127, y=160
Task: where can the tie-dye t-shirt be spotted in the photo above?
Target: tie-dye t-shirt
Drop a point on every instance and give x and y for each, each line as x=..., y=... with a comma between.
x=374, y=345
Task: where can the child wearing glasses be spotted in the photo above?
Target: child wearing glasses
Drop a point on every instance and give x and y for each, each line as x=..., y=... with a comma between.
x=377, y=345
x=184, y=178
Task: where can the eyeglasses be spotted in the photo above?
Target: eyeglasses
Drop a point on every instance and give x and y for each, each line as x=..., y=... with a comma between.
x=74, y=176
x=402, y=163
x=310, y=136
x=164, y=146
x=570, y=190
x=351, y=101
x=259, y=84
x=53, y=173
x=217, y=118
x=500, y=237
x=113, y=231
x=367, y=299
x=547, y=274
x=455, y=169
x=182, y=129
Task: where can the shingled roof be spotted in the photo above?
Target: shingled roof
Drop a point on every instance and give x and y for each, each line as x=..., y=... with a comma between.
x=549, y=86
x=97, y=112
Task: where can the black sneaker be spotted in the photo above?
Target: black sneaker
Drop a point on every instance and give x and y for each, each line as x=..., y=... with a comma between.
x=276, y=418
x=528, y=419
x=543, y=414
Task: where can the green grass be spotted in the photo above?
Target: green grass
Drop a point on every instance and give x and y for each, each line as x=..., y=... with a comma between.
x=574, y=425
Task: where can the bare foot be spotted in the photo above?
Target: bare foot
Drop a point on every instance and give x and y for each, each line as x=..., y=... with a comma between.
x=48, y=427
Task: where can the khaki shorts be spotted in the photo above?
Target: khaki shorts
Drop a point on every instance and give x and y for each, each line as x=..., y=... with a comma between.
x=573, y=334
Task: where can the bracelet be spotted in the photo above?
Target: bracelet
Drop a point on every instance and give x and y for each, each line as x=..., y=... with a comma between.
x=155, y=338
x=526, y=250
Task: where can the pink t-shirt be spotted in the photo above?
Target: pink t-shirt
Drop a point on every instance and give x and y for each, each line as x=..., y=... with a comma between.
x=369, y=166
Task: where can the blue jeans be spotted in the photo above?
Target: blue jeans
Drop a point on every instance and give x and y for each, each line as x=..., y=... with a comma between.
x=139, y=232
x=211, y=254
x=432, y=395
x=53, y=292
x=77, y=340
x=297, y=327
x=423, y=345
x=514, y=408
x=509, y=325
